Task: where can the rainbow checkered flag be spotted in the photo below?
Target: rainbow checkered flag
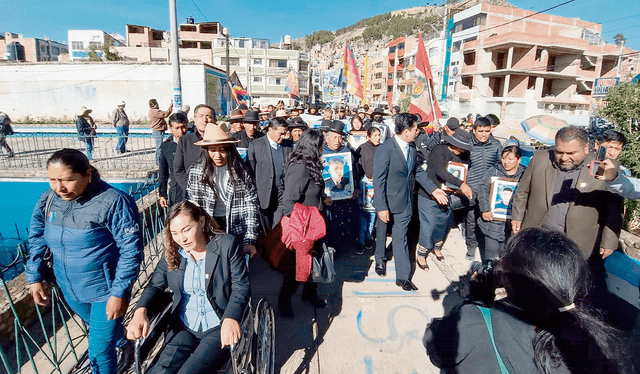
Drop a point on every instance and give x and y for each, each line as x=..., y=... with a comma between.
x=423, y=101
x=351, y=77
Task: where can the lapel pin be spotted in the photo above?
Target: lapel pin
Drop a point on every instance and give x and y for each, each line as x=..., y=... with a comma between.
x=583, y=184
x=206, y=276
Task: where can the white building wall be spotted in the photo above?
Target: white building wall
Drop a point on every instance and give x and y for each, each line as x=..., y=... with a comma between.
x=59, y=90
x=86, y=37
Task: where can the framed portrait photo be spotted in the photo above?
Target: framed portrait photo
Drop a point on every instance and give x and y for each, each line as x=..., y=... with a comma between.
x=243, y=153
x=501, y=197
x=459, y=171
x=338, y=176
x=366, y=195
x=357, y=138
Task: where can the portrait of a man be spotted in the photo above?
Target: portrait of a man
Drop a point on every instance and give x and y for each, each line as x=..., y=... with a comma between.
x=337, y=177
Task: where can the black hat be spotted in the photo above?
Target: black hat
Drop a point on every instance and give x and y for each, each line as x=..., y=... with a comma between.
x=453, y=124
x=297, y=123
x=495, y=121
x=251, y=116
x=397, y=108
x=243, y=107
x=460, y=139
x=325, y=124
x=336, y=126
x=378, y=110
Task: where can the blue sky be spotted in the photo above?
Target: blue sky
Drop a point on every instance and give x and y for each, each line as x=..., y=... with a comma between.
x=270, y=19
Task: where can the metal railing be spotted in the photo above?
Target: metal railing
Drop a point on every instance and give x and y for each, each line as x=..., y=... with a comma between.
x=52, y=339
x=32, y=149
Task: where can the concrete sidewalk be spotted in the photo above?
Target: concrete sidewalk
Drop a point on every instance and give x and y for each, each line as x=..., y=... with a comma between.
x=370, y=325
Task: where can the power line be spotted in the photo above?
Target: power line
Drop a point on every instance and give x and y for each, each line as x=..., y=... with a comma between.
x=624, y=28
x=620, y=19
x=196, y=5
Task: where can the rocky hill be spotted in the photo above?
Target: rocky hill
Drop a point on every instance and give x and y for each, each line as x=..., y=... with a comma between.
x=389, y=26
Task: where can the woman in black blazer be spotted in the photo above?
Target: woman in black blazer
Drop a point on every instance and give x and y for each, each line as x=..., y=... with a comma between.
x=207, y=274
x=303, y=183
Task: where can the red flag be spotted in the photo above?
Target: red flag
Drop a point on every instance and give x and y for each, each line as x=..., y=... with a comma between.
x=351, y=75
x=423, y=100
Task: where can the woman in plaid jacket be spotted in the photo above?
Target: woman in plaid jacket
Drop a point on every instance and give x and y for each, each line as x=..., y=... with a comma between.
x=221, y=185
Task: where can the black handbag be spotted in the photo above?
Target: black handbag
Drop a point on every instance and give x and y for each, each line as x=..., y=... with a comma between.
x=322, y=268
x=457, y=201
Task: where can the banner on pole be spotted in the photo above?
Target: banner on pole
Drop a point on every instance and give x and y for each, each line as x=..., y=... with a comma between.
x=423, y=101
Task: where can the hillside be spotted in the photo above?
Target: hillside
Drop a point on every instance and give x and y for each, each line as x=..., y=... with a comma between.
x=389, y=26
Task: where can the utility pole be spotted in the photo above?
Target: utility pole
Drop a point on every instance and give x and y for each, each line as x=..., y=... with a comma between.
x=175, y=57
x=225, y=32
x=620, y=58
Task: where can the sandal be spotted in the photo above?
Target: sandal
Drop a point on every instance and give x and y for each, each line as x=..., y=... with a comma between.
x=438, y=255
x=424, y=267
x=437, y=250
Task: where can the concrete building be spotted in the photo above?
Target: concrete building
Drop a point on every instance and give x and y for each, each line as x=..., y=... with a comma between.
x=81, y=42
x=396, y=80
x=518, y=67
x=262, y=70
x=15, y=47
x=41, y=91
x=377, y=79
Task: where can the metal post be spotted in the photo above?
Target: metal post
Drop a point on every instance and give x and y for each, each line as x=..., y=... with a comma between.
x=175, y=56
x=620, y=58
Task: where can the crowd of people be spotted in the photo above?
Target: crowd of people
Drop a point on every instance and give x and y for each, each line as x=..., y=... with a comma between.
x=229, y=185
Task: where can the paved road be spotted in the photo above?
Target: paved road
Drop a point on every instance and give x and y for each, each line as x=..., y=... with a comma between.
x=370, y=325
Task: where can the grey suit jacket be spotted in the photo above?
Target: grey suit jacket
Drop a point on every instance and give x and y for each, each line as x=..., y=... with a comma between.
x=392, y=181
x=594, y=219
x=261, y=163
x=228, y=279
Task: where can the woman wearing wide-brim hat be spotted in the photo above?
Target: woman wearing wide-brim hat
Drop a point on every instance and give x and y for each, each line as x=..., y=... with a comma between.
x=86, y=129
x=222, y=185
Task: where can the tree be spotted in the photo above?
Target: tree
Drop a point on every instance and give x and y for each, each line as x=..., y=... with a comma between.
x=404, y=104
x=108, y=54
x=619, y=39
x=623, y=110
x=93, y=54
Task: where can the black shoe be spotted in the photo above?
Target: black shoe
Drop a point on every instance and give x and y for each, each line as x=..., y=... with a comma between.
x=360, y=249
x=316, y=302
x=381, y=269
x=406, y=285
x=125, y=357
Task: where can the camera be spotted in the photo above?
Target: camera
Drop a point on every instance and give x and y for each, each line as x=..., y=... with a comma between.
x=482, y=285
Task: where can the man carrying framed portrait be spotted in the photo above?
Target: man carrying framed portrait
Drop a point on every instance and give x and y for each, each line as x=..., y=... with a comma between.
x=495, y=199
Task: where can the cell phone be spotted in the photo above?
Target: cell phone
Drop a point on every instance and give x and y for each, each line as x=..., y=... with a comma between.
x=596, y=169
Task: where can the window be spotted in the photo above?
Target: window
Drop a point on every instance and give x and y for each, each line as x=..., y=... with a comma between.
x=538, y=53
x=400, y=46
x=390, y=76
x=157, y=35
x=277, y=63
x=304, y=66
x=392, y=49
x=77, y=45
x=378, y=76
x=389, y=88
x=257, y=79
x=377, y=86
x=95, y=45
x=467, y=83
x=470, y=58
x=240, y=43
x=205, y=45
x=233, y=61
x=55, y=50
x=433, y=51
x=378, y=65
x=221, y=42
x=43, y=48
x=456, y=46
x=189, y=44
x=531, y=85
x=302, y=84
x=257, y=61
x=276, y=81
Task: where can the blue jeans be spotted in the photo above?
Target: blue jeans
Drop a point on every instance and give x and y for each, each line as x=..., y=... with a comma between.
x=88, y=143
x=123, y=136
x=367, y=221
x=104, y=335
x=159, y=137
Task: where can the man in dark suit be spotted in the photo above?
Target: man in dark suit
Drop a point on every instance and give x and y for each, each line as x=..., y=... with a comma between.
x=177, y=127
x=556, y=192
x=394, y=170
x=266, y=157
x=188, y=153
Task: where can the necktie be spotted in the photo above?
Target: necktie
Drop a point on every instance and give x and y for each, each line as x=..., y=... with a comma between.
x=408, y=158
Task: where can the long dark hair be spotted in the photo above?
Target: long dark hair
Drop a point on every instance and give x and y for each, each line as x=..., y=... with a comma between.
x=75, y=160
x=547, y=278
x=195, y=212
x=308, y=152
x=238, y=172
